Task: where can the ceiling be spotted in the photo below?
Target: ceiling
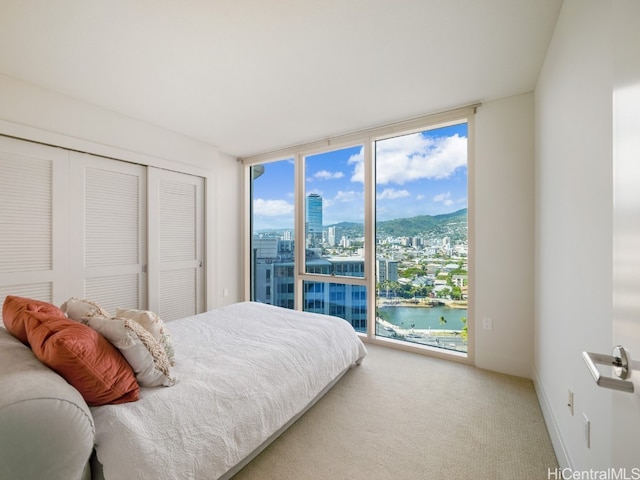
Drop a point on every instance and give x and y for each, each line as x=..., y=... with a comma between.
x=252, y=76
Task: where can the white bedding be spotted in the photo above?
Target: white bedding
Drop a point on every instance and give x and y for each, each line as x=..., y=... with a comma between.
x=243, y=371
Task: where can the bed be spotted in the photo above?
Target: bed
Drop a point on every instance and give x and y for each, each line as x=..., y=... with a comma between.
x=243, y=374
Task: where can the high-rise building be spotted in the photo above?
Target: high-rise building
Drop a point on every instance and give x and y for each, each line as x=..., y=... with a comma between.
x=314, y=220
x=387, y=270
x=381, y=271
x=392, y=271
x=332, y=236
x=274, y=281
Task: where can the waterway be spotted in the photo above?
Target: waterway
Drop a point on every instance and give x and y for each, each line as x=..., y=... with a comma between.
x=424, y=317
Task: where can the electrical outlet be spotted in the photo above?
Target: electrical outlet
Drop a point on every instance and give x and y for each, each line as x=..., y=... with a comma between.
x=487, y=323
x=225, y=292
x=570, y=402
x=587, y=430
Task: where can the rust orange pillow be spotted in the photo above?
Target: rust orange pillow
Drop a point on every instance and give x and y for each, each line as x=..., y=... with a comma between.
x=13, y=314
x=83, y=357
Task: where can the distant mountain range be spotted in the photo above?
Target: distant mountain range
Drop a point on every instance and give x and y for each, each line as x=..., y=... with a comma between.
x=422, y=225
x=452, y=224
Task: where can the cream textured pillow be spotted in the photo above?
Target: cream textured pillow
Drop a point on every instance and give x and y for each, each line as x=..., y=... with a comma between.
x=144, y=353
x=78, y=309
x=154, y=325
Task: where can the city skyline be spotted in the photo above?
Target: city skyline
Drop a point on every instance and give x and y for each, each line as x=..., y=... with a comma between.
x=424, y=173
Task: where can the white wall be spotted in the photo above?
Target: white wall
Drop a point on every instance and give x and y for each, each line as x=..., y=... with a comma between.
x=227, y=241
x=32, y=113
x=504, y=201
x=53, y=118
x=574, y=229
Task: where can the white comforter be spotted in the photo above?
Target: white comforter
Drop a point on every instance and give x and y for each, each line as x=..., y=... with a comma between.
x=243, y=371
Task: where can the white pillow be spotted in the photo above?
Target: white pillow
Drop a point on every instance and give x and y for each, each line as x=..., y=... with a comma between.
x=78, y=309
x=143, y=352
x=154, y=325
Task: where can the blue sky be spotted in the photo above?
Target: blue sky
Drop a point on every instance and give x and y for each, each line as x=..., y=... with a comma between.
x=418, y=174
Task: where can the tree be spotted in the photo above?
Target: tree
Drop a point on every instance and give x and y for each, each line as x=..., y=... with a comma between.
x=412, y=272
x=456, y=293
x=444, y=293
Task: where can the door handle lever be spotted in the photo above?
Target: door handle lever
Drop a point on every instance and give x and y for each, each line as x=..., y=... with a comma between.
x=620, y=363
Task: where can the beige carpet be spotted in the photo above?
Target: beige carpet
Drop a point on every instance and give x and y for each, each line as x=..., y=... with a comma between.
x=405, y=416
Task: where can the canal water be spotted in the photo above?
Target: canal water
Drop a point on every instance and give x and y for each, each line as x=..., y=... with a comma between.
x=424, y=317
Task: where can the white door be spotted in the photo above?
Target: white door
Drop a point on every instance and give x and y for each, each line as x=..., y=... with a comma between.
x=34, y=249
x=626, y=229
x=176, y=243
x=107, y=231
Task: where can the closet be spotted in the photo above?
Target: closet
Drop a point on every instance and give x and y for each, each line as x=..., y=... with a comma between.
x=118, y=233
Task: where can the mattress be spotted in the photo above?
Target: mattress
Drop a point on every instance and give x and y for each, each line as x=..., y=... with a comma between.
x=245, y=372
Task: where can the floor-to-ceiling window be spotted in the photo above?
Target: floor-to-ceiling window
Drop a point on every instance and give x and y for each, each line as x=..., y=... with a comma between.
x=334, y=235
x=372, y=228
x=272, y=232
x=422, y=240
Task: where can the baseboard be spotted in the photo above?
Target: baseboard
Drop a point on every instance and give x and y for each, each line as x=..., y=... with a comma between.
x=552, y=426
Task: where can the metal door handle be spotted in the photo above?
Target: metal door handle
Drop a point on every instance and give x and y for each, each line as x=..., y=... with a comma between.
x=619, y=360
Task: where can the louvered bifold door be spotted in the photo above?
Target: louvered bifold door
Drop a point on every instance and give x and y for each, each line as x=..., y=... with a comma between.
x=108, y=232
x=33, y=217
x=176, y=253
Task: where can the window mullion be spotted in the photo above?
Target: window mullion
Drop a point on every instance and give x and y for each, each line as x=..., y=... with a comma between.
x=370, y=235
x=299, y=245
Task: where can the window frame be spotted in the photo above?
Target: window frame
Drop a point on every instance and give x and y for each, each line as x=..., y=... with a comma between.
x=367, y=139
x=301, y=273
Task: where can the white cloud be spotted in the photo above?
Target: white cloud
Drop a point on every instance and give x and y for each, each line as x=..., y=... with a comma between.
x=342, y=197
x=349, y=196
x=272, y=208
x=445, y=199
x=392, y=194
x=441, y=197
x=358, y=170
x=414, y=157
x=326, y=175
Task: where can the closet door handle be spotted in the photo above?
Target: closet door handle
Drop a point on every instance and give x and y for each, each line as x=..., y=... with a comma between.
x=619, y=360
